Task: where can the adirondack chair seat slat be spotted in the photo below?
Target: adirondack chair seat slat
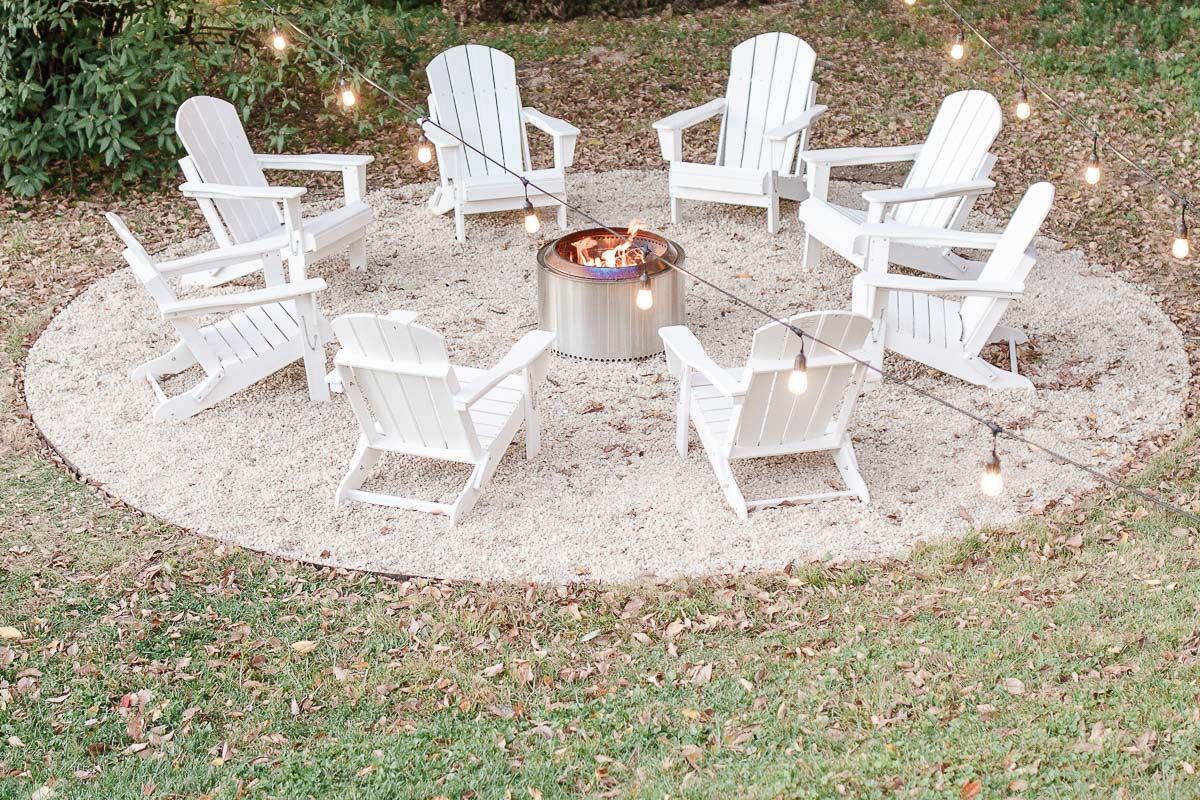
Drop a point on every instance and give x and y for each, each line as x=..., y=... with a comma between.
x=247, y=335
x=768, y=108
x=219, y=154
x=949, y=171
x=236, y=340
x=409, y=399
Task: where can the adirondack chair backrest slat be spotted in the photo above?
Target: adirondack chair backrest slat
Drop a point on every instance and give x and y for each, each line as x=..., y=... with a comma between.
x=769, y=84
x=474, y=94
x=215, y=140
x=413, y=399
x=954, y=152
x=770, y=414
x=1009, y=264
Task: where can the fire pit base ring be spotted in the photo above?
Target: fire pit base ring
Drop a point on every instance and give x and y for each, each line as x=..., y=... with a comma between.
x=594, y=309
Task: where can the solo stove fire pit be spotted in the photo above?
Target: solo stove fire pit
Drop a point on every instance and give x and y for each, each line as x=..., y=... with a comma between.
x=588, y=293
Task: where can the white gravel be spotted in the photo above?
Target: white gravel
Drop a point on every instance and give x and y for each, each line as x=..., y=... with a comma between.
x=608, y=497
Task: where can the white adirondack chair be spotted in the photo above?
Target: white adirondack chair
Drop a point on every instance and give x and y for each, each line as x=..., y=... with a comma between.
x=750, y=413
x=474, y=94
x=260, y=331
x=225, y=176
x=914, y=318
x=766, y=112
x=410, y=400
x=950, y=170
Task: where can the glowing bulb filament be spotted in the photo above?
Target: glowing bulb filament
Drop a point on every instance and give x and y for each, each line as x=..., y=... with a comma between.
x=1091, y=173
x=532, y=223
x=798, y=378
x=347, y=95
x=1023, y=108
x=910, y=2
x=959, y=48
x=1180, y=248
x=991, y=483
x=645, y=297
x=278, y=40
x=424, y=151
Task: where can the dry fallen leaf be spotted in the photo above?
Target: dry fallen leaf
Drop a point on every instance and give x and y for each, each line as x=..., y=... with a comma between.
x=1014, y=686
x=304, y=646
x=7, y=632
x=971, y=789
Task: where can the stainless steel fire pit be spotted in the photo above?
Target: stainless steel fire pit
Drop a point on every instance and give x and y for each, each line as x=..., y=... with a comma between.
x=593, y=309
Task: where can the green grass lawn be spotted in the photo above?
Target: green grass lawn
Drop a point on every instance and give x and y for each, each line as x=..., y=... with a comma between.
x=1056, y=659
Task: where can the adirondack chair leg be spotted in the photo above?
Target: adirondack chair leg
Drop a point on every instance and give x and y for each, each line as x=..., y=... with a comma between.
x=562, y=218
x=683, y=412
x=533, y=424
x=312, y=348
x=733, y=492
x=272, y=267
x=773, y=214
x=812, y=251
x=847, y=463
x=365, y=457
x=358, y=255
x=469, y=496
x=674, y=210
x=460, y=226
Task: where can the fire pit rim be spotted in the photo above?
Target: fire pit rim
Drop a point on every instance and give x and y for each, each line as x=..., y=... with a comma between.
x=549, y=258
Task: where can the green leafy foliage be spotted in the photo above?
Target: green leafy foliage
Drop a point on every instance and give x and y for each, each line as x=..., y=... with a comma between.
x=88, y=90
x=1132, y=40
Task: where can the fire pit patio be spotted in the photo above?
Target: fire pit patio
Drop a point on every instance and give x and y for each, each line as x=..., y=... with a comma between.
x=594, y=287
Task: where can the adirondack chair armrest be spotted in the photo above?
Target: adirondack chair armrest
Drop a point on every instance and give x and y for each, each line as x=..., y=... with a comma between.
x=919, y=193
x=682, y=120
x=930, y=237
x=548, y=124
x=313, y=162
x=233, y=302
x=794, y=126
x=564, y=134
x=683, y=345
x=941, y=286
x=859, y=156
x=226, y=191
x=224, y=256
x=530, y=348
x=670, y=129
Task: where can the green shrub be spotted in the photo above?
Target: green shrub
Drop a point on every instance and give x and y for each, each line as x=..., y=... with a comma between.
x=89, y=89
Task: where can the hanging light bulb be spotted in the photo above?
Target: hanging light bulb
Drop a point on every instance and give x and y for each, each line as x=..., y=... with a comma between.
x=991, y=483
x=798, y=378
x=1091, y=172
x=424, y=150
x=346, y=94
x=1023, y=108
x=532, y=223
x=279, y=42
x=910, y=3
x=959, y=48
x=1180, y=247
x=645, y=296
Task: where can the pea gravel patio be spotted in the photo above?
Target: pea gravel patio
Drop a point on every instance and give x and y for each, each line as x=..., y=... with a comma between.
x=608, y=497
